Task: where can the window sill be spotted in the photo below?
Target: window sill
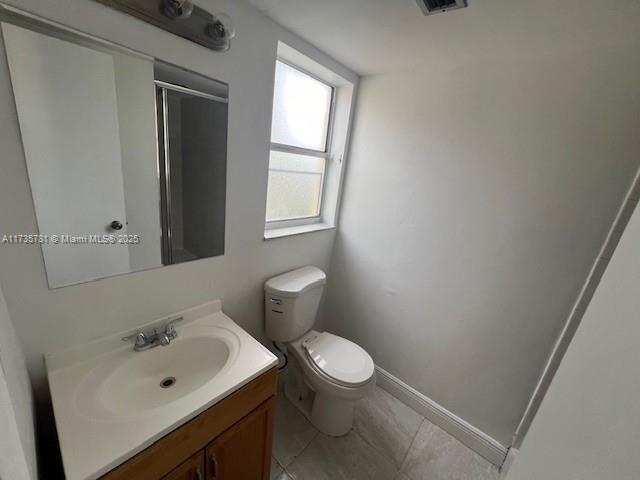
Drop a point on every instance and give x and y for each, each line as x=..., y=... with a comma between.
x=299, y=230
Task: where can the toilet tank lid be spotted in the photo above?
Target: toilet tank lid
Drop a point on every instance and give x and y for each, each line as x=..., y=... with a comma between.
x=295, y=282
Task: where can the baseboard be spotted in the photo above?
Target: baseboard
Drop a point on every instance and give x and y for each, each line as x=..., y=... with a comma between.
x=511, y=456
x=473, y=438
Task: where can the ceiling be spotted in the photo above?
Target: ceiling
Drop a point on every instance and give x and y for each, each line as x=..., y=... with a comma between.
x=376, y=36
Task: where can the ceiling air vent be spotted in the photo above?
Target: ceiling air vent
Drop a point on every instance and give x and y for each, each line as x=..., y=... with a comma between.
x=430, y=7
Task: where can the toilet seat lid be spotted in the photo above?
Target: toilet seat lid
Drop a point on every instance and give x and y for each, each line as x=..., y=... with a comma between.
x=338, y=358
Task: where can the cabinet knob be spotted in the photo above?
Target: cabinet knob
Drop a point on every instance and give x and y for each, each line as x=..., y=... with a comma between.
x=116, y=225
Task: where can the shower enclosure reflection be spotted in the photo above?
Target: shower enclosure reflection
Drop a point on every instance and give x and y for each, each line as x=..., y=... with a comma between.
x=193, y=151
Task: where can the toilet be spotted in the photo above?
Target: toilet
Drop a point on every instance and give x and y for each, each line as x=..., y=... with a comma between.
x=327, y=373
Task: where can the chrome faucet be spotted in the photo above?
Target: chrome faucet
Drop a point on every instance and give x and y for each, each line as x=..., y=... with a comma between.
x=147, y=341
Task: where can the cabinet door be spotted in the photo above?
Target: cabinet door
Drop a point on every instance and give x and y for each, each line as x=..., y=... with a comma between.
x=192, y=469
x=243, y=452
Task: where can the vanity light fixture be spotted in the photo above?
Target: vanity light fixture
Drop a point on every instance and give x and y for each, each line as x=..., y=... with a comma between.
x=183, y=18
x=221, y=30
x=178, y=8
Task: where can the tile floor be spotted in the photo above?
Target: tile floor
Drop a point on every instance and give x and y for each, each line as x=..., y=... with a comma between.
x=389, y=441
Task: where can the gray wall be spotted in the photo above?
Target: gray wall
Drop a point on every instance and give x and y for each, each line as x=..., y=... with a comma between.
x=587, y=426
x=582, y=302
x=50, y=320
x=17, y=437
x=475, y=203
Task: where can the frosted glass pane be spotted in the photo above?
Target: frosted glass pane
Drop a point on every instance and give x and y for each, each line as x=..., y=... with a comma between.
x=301, y=107
x=295, y=186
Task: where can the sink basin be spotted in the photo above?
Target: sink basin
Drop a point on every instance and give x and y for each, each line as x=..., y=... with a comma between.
x=111, y=402
x=163, y=374
x=129, y=384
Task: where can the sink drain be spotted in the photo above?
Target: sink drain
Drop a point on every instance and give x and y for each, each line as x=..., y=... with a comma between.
x=168, y=382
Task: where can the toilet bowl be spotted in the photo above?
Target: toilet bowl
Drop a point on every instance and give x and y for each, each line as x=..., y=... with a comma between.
x=335, y=373
x=327, y=374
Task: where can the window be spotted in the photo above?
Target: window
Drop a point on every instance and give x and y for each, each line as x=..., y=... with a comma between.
x=300, y=130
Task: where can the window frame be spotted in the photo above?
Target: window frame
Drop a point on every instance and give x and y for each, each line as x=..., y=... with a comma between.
x=324, y=154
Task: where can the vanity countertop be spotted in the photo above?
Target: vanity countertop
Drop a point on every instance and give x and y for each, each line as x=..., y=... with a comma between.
x=108, y=401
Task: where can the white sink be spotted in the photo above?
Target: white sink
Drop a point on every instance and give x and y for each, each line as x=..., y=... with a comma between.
x=129, y=384
x=111, y=402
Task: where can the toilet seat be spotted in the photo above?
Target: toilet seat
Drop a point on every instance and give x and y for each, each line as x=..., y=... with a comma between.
x=339, y=360
x=328, y=375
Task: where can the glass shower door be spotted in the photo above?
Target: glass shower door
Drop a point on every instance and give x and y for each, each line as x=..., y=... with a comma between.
x=193, y=152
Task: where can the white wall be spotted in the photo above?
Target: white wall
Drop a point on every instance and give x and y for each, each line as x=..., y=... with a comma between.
x=138, y=141
x=48, y=320
x=17, y=440
x=475, y=203
x=66, y=102
x=587, y=426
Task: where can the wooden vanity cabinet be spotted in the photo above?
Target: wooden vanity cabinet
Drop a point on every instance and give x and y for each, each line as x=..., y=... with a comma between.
x=192, y=469
x=243, y=451
x=230, y=441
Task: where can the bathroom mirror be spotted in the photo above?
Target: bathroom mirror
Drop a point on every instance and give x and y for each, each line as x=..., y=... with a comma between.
x=126, y=155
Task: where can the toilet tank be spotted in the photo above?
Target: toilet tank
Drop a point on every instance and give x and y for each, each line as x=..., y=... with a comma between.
x=291, y=303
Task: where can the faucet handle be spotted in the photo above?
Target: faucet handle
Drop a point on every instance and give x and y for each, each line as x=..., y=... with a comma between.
x=140, y=339
x=169, y=328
